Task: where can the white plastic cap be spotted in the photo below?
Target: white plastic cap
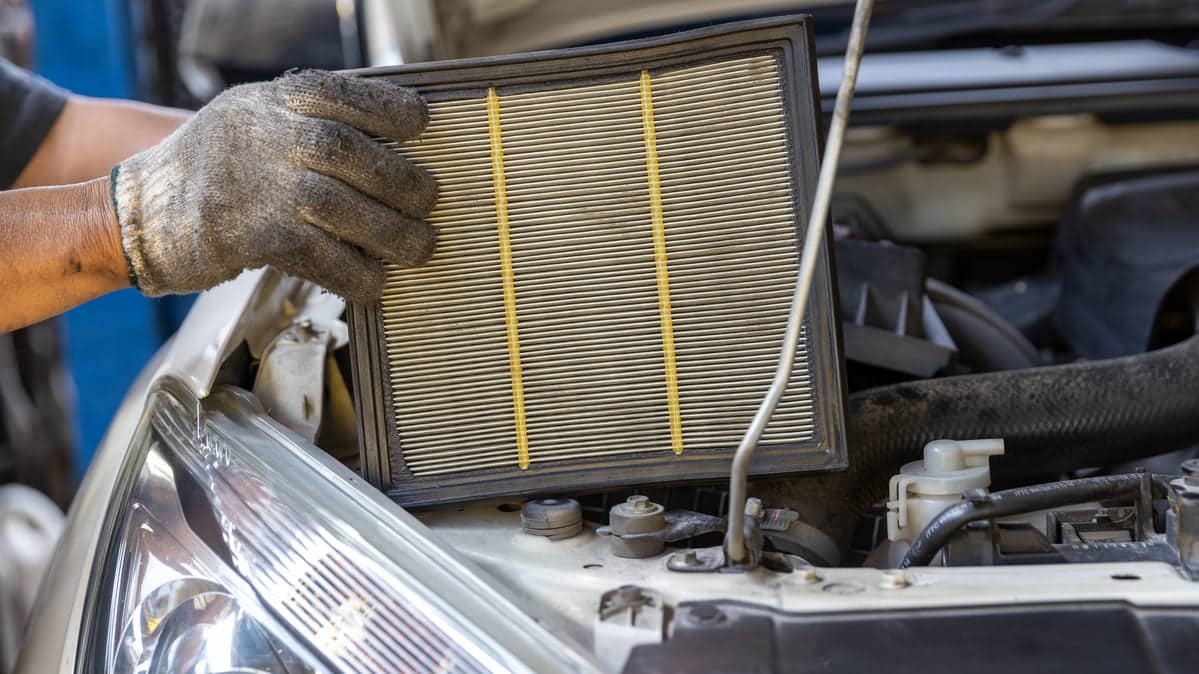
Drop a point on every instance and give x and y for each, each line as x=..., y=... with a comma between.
x=922, y=489
x=947, y=456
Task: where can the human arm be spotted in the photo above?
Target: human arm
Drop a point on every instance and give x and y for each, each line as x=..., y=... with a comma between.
x=92, y=134
x=284, y=173
x=61, y=242
x=61, y=246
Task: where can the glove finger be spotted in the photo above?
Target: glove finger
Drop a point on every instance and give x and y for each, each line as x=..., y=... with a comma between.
x=351, y=156
x=371, y=104
x=312, y=254
x=356, y=218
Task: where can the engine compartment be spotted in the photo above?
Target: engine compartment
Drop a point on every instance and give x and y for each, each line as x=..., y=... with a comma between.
x=1018, y=348
x=1039, y=384
x=1078, y=379
x=1016, y=292
x=1090, y=518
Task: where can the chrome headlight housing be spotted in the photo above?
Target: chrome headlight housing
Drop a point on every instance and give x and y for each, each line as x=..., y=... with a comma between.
x=231, y=545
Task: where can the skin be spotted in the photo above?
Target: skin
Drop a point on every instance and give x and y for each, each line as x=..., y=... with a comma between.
x=58, y=229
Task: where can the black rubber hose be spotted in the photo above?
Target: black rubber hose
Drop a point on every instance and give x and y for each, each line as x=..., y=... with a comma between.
x=1053, y=419
x=1021, y=500
x=986, y=342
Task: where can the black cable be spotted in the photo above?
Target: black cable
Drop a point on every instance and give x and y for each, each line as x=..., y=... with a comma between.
x=1017, y=501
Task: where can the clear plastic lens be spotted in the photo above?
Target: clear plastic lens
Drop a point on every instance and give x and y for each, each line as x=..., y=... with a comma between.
x=234, y=551
x=178, y=605
x=200, y=631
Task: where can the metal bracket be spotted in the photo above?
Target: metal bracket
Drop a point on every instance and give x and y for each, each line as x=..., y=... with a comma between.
x=628, y=617
x=291, y=377
x=680, y=525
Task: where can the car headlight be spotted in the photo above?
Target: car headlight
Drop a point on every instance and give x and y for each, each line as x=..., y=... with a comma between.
x=232, y=547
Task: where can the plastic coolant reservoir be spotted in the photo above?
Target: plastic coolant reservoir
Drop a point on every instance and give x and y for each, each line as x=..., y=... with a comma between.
x=923, y=489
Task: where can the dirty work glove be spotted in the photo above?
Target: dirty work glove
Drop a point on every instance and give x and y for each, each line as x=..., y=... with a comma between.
x=281, y=173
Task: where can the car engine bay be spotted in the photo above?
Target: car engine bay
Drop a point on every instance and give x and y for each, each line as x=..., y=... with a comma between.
x=1000, y=419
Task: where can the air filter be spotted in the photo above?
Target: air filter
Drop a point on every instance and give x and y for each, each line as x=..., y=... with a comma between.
x=619, y=229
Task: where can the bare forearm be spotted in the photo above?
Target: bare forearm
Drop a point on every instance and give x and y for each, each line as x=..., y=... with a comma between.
x=93, y=134
x=62, y=247
x=283, y=173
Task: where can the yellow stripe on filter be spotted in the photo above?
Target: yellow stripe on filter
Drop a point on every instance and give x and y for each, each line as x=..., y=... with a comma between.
x=509, y=280
x=661, y=262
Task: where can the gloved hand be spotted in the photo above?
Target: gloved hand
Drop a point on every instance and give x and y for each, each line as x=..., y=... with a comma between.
x=281, y=173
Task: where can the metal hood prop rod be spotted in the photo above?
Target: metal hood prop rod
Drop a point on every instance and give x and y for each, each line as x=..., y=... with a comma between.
x=734, y=541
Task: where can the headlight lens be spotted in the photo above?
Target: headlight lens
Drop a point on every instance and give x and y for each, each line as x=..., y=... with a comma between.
x=231, y=548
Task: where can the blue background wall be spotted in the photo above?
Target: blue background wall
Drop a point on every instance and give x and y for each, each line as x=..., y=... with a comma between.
x=85, y=46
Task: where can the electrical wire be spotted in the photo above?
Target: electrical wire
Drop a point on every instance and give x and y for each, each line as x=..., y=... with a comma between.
x=735, y=536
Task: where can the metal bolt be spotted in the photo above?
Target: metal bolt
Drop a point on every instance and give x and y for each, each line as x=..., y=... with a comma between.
x=1190, y=472
x=894, y=580
x=807, y=574
x=636, y=516
x=709, y=559
x=753, y=507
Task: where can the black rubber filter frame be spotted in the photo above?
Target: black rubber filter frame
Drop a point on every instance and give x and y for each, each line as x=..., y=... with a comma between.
x=383, y=341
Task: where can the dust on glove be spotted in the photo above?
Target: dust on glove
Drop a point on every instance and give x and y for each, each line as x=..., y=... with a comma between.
x=281, y=173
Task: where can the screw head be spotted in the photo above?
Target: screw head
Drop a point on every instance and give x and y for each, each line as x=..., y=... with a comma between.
x=894, y=579
x=807, y=574
x=705, y=560
x=638, y=501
